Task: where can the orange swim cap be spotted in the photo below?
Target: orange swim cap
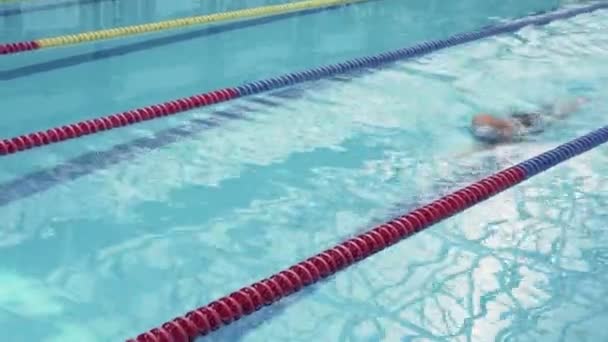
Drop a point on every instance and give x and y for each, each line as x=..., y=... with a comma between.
x=486, y=119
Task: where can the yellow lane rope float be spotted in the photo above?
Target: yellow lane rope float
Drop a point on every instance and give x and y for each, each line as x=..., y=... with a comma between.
x=132, y=30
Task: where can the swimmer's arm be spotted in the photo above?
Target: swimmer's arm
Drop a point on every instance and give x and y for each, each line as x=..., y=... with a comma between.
x=564, y=109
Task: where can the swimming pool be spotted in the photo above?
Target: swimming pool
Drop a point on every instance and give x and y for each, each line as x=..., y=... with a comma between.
x=106, y=236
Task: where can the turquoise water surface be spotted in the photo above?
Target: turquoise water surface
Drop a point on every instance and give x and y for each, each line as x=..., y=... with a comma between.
x=107, y=236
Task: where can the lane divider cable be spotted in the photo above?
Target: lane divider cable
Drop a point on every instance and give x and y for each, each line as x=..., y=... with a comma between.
x=97, y=125
x=172, y=24
x=249, y=299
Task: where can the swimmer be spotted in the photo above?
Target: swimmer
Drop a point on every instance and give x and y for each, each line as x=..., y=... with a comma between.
x=517, y=126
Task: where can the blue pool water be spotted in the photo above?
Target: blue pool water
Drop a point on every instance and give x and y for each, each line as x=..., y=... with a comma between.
x=106, y=236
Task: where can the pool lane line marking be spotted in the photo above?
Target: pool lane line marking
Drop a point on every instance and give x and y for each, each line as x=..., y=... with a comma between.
x=92, y=161
x=171, y=24
x=92, y=126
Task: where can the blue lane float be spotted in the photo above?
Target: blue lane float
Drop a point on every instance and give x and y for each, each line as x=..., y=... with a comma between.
x=410, y=52
x=249, y=299
x=566, y=151
x=71, y=131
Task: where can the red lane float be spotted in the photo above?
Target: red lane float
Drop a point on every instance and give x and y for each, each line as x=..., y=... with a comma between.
x=18, y=47
x=13, y=145
x=75, y=130
x=251, y=298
